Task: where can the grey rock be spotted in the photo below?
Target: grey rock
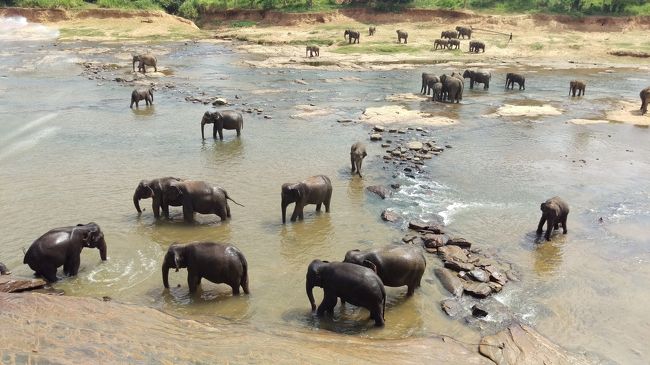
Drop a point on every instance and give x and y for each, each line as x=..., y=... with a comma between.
x=219, y=101
x=12, y=284
x=453, y=253
x=449, y=281
x=459, y=266
x=480, y=275
x=432, y=240
x=451, y=307
x=478, y=290
x=460, y=242
x=375, y=137
x=415, y=145
x=389, y=216
x=381, y=191
x=4, y=270
x=409, y=238
x=378, y=128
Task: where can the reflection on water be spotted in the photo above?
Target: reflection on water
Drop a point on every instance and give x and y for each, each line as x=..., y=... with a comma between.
x=548, y=257
x=143, y=110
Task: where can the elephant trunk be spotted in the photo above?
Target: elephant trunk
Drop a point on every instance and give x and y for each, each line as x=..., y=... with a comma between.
x=101, y=245
x=165, y=273
x=136, y=202
x=202, y=125
x=310, y=288
x=284, y=211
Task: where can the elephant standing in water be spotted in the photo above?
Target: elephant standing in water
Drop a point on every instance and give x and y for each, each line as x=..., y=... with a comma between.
x=220, y=120
x=154, y=189
x=62, y=246
x=357, y=154
x=313, y=190
x=352, y=36
x=198, y=197
x=144, y=60
x=452, y=88
x=396, y=265
x=479, y=77
x=352, y=283
x=217, y=262
x=577, y=85
x=141, y=94
x=428, y=80
x=312, y=51
x=554, y=212
x=464, y=31
x=645, y=98
x=402, y=35
x=437, y=92
x=511, y=78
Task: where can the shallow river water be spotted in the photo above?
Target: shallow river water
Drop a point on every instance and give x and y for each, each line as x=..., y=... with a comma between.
x=71, y=151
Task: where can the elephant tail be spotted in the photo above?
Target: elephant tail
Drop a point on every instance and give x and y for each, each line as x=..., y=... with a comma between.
x=383, y=311
x=229, y=198
x=244, y=275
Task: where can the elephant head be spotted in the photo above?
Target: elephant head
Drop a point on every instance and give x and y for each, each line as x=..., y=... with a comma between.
x=291, y=193
x=363, y=259
x=93, y=237
x=551, y=210
x=314, y=279
x=176, y=258
x=209, y=118
x=142, y=191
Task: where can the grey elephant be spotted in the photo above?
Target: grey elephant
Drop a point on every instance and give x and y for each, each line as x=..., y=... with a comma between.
x=554, y=212
x=357, y=154
x=198, y=197
x=449, y=34
x=437, y=92
x=312, y=51
x=453, y=44
x=428, y=80
x=511, y=78
x=216, y=262
x=464, y=31
x=143, y=61
x=4, y=270
x=479, y=77
x=220, y=120
x=371, y=31
x=154, y=189
x=402, y=35
x=475, y=46
x=396, y=265
x=441, y=43
x=352, y=36
x=452, y=88
x=62, y=246
x=645, y=97
x=357, y=285
x=141, y=94
x=577, y=85
x=313, y=190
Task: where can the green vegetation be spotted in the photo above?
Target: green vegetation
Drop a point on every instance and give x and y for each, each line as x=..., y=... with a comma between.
x=380, y=48
x=242, y=23
x=48, y=4
x=128, y=4
x=80, y=32
x=537, y=46
x=313, y=42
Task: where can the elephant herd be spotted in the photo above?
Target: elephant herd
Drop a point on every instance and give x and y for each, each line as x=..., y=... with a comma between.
x=450, y=39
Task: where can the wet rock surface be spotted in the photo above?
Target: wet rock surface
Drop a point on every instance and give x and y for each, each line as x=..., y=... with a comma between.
x=381, y=191
x=12, y=284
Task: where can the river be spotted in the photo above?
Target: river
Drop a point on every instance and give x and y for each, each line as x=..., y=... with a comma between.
x=71, y=151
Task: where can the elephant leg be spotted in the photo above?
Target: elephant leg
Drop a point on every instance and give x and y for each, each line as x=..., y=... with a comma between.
x=318, y=206
x=221, y=212
x=327, y=202
x=235, y=287
x=228, y=210
x=411, y=290
x=238, y=131
x=327, y=305
x=193, y=281
x=549, y=229
x=165, y=210
x=48, y=272
x=220, y=130
x=155, y=206
x=352, y=162
x=214, y=131
x=71, y=265
x=377, y=315
x=359, y=167
x=556, y=226
x=155, y=68
x=541, y=224
x=564, y=229
x=188, y=213
x=297, y=210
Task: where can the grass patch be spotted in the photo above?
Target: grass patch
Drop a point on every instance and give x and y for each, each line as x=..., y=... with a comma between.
x=49, y=4
x=129, y=4
x=242, y=23
x=575, y=46
x=379, y=48
x=537, y=46
x=80, y=32
x=313, y=42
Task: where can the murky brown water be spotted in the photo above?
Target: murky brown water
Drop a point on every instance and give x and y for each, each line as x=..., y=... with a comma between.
x=71, y=151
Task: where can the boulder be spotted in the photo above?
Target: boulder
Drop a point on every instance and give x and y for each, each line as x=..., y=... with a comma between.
x=378, y=128
x=460, y=242
x=477, y=290
x=381, y=191
x=453, y=253
x=452, y=307
x=409, y=238
x=480, y=275
x=414, y=146
x=432, y=240
x=450, y=281
x=4, y=270
x=375, y=137
x=390, y=216
x=459, y=266
x=12, y=284
x=219, y=101
x=479, y=311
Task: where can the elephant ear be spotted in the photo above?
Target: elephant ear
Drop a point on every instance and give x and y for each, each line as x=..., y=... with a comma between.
x=370, y=265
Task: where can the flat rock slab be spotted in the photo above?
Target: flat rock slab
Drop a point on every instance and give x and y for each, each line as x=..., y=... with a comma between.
x=522, y=345
x=381, y=191
x=478, y=290
x=12, y=284
x=453, y=253
x=450, y=281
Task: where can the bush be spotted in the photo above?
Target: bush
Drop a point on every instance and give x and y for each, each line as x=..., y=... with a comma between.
x=49, y=4
x=128, y=4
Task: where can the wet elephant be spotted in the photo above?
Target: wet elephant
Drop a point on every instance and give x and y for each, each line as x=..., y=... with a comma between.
x=464, y=31
x=554, y=212
x=154, y=189
x=428, y=80
x=396, y=265
x=645, y=98
x=402, y=35
x=313, y=190
x=141, y=94
x=357, y=154
x=437, y=92
x=220, y=120
x=577, y=86
x=452, y=87
x=143, y=61
x=216, y=262
x=352, y=36
x=62, y=246
x=198, y=197
x=357, y=285
x=511, y=78
x=480, y=77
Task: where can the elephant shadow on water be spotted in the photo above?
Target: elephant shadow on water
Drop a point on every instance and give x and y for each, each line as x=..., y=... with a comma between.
x=232, y=148
x=144, y=112
x=547, y=255
x=210, y=300
x=313, y=232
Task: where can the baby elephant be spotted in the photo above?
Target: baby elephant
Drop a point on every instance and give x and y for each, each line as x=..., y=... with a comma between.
x=142, y=94
x=577, y=85
x=312, y=51
x=396, y=265
x=62, y=246
x=372, y=30
x=357, y=154
x=217, y=262
x=144, y=60
x=313, y=190
x=402, y=35
x=554, y=213
x=645, y=98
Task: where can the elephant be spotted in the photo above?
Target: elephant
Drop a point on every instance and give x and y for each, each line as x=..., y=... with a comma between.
x=464, y=31
x=437, y=92
x=428, y=80
x=396, y=265
x=442, y=43
x=220, y=120
x=144, y=60
x=154, y=189
x=511, y=78
x=554, y=213
x=313, y=190
x=452, y=88
x=217, y=262
x=453, y=44
x=357, y=154
x=312, y=50
x=371, y=31
x=645, y=98
x=355, y=284
x=577, y=85
x=449, y=34
x=141, y=94
x=474, y=46
x=479, y=77
x=402, y=35
x=4, y=270
x=198, y=196
x=352, y=35
x=62, y=246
